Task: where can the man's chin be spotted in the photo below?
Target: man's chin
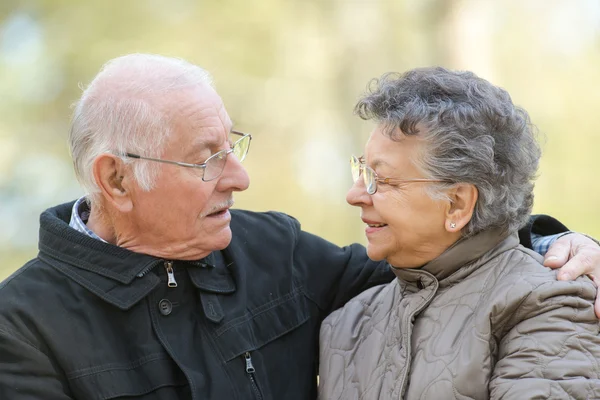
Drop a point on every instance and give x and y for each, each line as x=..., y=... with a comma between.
x=222, y=239
x=198, y=247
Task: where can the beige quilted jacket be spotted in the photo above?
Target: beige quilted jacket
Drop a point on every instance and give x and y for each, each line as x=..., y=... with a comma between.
x=484, y=320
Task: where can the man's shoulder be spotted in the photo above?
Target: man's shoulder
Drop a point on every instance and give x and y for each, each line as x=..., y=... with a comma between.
x=21, y=275
x=269, y=224
x=265, y=217
x=27, y=289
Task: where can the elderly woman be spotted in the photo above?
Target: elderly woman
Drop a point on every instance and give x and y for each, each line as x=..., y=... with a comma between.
x=447, y=180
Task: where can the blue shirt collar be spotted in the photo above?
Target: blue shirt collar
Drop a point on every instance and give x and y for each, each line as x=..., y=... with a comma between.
x=79, y=218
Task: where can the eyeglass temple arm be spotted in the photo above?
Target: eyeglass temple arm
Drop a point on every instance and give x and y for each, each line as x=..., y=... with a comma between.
x=393, y=181
x=183, y=164
x=240, y=133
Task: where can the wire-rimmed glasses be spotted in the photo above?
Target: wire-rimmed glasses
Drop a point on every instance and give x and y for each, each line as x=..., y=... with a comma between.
x=214, y=165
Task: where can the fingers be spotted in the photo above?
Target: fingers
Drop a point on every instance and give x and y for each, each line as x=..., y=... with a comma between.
x=558, y=253
x=580, y=264
x=583, y=256
x=576, y=255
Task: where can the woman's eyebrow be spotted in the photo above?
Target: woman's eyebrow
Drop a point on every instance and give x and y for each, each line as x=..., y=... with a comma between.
x=378, y=162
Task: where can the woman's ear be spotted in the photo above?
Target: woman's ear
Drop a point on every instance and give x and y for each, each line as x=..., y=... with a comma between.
x=113, y=180
x=463, y=198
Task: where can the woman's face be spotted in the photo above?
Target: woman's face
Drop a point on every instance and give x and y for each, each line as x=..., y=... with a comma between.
x=404, y=225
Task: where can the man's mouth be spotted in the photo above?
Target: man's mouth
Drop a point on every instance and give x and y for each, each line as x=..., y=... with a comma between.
x=218, y=213
x=221, y=209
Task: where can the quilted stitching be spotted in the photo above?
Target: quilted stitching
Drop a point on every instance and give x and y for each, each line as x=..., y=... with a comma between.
x=500, y=327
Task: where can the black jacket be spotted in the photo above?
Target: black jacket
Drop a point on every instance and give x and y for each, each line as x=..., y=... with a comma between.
x=88, y=320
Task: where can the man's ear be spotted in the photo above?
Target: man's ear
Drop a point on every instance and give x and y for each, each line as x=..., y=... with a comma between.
x=114, y=181
x=459, y=212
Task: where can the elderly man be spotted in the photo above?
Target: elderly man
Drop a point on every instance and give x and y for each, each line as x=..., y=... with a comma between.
x=150, y=287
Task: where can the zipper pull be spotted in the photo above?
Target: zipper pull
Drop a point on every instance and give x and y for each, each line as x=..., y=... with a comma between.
x=249, y=367
x=170, y=275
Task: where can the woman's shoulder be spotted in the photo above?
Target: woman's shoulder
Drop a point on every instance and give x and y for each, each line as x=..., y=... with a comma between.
x=370, y=311
x=523, y=265
x=366, y=304
x=521, y=288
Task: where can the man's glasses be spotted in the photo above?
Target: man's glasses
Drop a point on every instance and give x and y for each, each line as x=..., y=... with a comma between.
x=214, y=165
x=371, y=178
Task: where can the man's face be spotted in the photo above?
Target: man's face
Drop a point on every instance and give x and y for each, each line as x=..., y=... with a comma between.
x=184, y=217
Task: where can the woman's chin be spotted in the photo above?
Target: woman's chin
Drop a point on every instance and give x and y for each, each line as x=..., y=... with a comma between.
x=375, y=254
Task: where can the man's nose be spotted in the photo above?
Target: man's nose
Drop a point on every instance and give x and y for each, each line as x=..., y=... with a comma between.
x=234, y=176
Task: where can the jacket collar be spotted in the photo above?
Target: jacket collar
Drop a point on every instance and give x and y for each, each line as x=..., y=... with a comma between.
x=214, y=274
x=117, y=275
x=462, y=258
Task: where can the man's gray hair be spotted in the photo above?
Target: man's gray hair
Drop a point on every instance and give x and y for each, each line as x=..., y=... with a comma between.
x=122, y=110
x=473, y=133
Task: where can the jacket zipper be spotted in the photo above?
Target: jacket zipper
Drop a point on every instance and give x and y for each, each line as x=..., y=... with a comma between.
x=408, y=322
x=250, y=371
x=170, y=274
x=147, y=269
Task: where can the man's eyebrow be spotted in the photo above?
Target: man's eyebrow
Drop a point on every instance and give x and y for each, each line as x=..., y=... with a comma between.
x=206, y=143
x=200, y=144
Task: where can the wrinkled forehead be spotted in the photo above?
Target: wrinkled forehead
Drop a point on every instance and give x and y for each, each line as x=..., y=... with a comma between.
x=200, y=116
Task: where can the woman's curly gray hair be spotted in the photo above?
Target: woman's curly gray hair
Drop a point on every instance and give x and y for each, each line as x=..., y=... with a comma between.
x=473, y=134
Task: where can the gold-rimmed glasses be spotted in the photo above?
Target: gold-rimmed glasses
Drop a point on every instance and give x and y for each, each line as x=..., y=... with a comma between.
x=371, y=178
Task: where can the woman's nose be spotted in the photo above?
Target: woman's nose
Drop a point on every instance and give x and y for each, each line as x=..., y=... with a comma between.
x=357, y=195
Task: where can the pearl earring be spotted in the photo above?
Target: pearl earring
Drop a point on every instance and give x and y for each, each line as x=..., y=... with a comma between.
x=452, y=225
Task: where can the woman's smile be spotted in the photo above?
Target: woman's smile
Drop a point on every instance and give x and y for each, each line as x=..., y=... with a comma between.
x=373, y=226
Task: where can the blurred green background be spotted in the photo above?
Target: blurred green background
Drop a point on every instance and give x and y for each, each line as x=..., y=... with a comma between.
x=289, y=72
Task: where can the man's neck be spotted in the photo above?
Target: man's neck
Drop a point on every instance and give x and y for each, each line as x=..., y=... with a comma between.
x=97, y=223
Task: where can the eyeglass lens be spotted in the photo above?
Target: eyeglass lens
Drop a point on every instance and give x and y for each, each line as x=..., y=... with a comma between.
x=216, y=163
x=370, y=180
x=368, y=174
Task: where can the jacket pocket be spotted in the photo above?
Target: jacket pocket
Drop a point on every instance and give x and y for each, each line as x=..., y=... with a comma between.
x=262, y=325
x=152, y=377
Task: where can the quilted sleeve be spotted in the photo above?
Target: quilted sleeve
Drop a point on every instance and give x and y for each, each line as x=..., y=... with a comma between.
x=552, y=350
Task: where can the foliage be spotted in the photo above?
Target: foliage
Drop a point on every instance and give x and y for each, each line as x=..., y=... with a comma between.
x=289, y=72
